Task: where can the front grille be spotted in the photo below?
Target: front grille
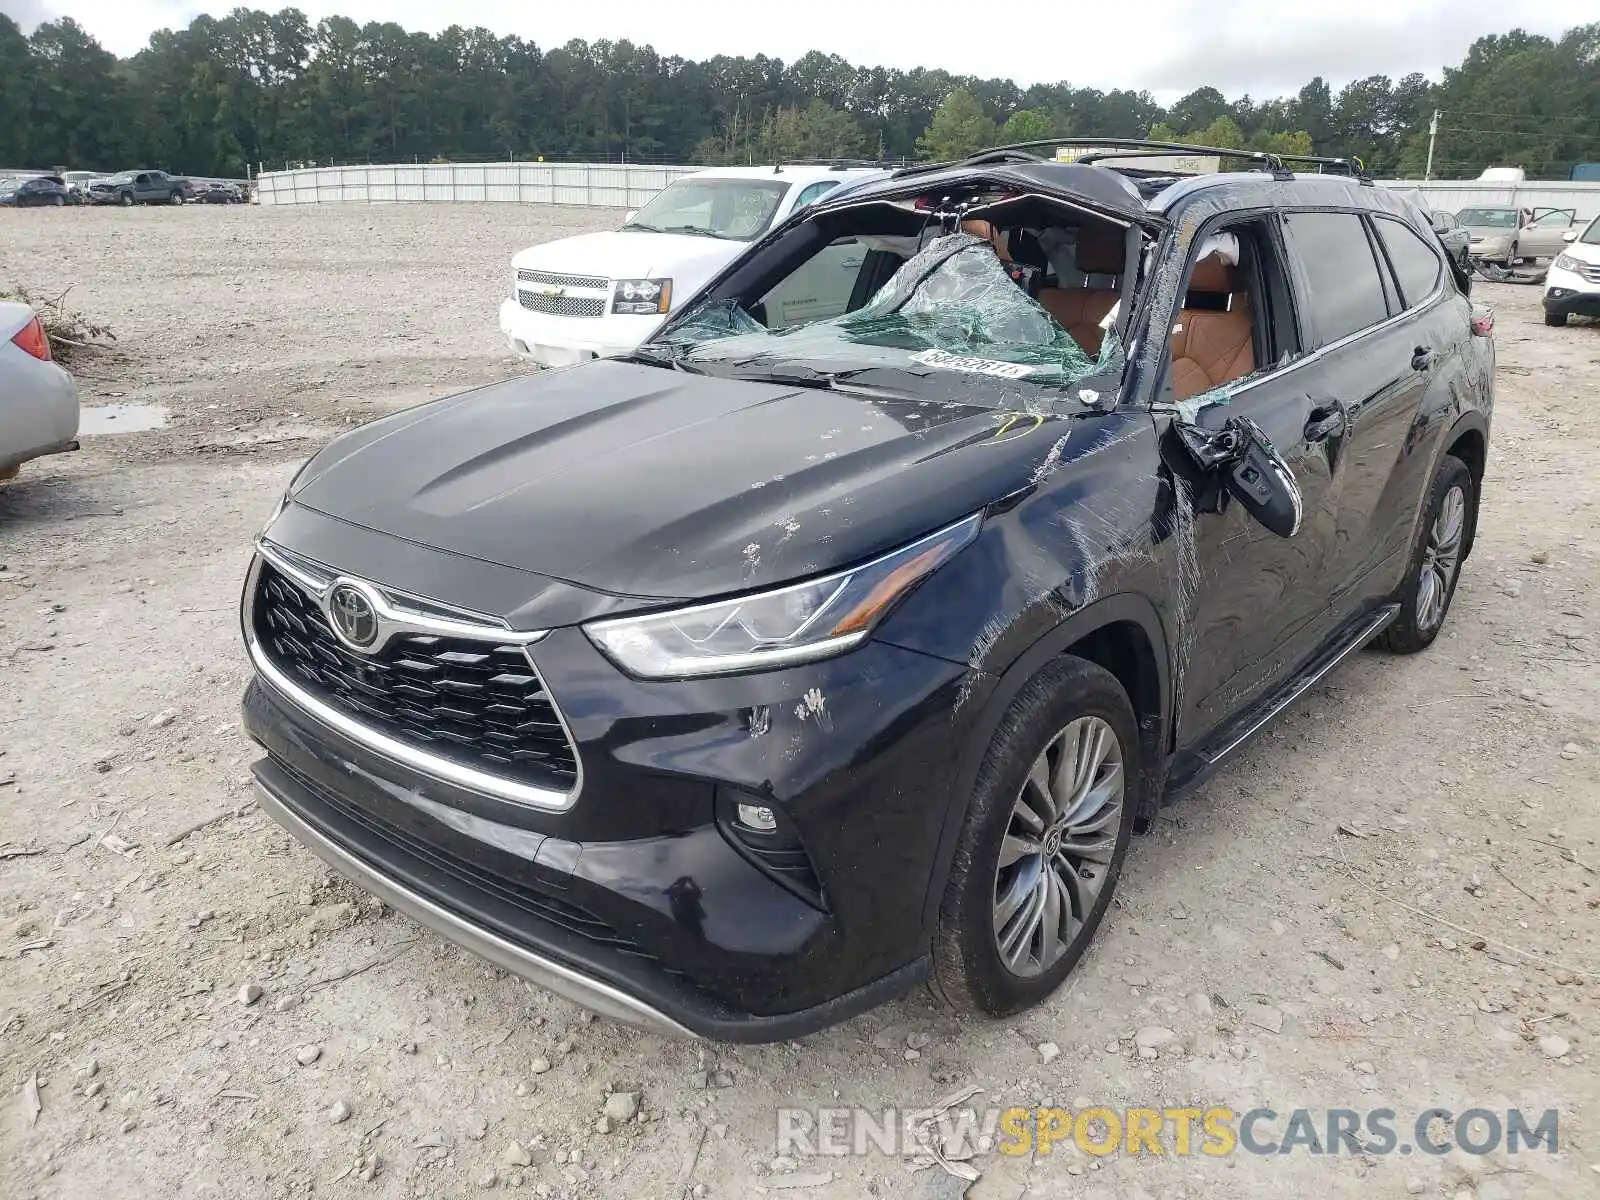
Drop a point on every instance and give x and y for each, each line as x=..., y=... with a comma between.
x=528, y=896
x=471, y=701
x=1589, y=271
x=549, y=279
x=562, y=306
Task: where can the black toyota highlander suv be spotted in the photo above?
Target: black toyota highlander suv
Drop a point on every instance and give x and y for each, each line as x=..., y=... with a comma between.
x=737, y=685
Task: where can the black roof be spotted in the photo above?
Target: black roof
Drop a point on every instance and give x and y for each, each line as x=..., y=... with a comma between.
x=1097, y=180
x=1095, y=187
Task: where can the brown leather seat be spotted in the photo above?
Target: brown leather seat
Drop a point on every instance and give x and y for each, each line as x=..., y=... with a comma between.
x=1080, y=310
x=986, y=231
x=1212, y=347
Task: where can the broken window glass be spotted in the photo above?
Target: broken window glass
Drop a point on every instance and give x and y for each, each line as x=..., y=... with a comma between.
x=951, y=307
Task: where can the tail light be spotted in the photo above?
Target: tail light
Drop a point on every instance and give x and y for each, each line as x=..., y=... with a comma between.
x=33, y=339
x=1482, y=322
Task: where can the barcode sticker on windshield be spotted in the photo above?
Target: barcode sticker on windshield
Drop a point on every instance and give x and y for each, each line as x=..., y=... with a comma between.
x=973, y=366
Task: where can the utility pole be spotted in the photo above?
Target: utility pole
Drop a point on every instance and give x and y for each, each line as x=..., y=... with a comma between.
x=1433, y=136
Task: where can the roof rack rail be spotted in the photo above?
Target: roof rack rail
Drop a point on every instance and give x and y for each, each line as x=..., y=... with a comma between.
x=1351, y=166
x=1023, y=152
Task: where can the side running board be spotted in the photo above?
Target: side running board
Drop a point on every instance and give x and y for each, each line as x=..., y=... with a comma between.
x=1231, y=740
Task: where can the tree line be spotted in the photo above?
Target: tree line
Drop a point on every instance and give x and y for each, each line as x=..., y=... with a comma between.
x=273, y=88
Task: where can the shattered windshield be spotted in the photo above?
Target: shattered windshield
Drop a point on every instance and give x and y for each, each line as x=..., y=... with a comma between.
x=951, y=311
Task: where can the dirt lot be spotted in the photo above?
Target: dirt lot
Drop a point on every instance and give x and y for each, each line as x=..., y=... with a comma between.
x=1387, y=902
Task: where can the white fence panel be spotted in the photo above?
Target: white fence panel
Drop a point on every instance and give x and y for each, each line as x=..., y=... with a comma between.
x=615, y=185
x=1452, y=195
x=606, y=185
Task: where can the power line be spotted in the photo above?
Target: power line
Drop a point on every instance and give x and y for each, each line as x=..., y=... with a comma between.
x=1473, y=112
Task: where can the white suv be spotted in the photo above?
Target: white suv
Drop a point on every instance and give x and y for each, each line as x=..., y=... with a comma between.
x=602, y=294
x=1572, y=285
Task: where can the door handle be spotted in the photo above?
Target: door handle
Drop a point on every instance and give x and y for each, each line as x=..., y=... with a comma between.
x=1421, y=358
x=1325, y=421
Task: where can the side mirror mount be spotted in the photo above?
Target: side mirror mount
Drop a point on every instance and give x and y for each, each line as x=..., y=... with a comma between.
x=1570, y=235
x=1244, y=461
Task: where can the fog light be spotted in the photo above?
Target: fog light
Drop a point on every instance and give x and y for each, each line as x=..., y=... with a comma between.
x=758, y=817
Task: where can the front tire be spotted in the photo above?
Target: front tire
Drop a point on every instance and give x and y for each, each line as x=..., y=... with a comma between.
x=127, y=199
x=59, y=201
x=1442, y=540
x=1043, y=842
x=175, y=198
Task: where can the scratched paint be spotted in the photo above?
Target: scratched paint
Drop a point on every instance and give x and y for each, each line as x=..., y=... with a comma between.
x=813, y=706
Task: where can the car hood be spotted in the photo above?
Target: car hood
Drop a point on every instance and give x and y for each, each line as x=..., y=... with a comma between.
x=642, y=481
x=616, y=255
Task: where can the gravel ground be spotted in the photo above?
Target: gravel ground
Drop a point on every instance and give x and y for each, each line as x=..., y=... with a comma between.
x=1388, y=901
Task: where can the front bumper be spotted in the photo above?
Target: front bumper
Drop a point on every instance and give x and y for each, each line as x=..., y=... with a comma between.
x=634, y=900
x=1571, y=294
x=1491, y=249
x=565, y=341
x=274, y=789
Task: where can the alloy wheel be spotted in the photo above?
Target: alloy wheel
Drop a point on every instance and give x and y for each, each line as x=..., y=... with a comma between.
x=1058, y=846
x=1441, y=558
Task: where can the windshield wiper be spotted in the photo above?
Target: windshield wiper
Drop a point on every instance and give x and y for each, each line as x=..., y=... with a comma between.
x=644, y=226
x=661, y=356
x=699, y=231
x=808, y=377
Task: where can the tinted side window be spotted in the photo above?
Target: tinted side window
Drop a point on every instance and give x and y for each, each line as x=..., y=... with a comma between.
x=1415, y=264
x=1344, y=292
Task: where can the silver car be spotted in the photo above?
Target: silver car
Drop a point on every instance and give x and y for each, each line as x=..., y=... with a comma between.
x=1503, y=235
x=39, y=413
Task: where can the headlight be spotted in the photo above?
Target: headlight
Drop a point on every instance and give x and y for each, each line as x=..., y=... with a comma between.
x=642, y=297
x=1568, y=263
x=796, y=624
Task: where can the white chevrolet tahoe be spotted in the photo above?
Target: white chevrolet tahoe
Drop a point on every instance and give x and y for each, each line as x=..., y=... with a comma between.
x=602, y=294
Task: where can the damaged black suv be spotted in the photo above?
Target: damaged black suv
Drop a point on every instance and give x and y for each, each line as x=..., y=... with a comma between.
x=839, y=638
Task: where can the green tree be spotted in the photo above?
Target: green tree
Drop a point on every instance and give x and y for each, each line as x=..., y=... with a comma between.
x=816, y=131
x=1298, y=142
x=959, y=127
x=258, y=86
x=1029, y=125
x=16, y=84
x=1223, y=132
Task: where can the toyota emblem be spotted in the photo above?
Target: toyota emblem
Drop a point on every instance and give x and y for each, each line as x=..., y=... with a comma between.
x=352, y=616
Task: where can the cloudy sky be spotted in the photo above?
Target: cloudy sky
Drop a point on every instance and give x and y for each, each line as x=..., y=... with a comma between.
x=1166, y=46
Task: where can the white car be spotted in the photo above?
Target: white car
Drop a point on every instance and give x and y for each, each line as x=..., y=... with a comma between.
x=599, y=295
x=38, y=400
x=1572, y=285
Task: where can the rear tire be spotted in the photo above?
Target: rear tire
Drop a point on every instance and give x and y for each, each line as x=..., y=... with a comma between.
x=127, y=199
x=1443, y=535
x=1043, y=841
x=175, y=198
x=59, y=201
x=1556, y=319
